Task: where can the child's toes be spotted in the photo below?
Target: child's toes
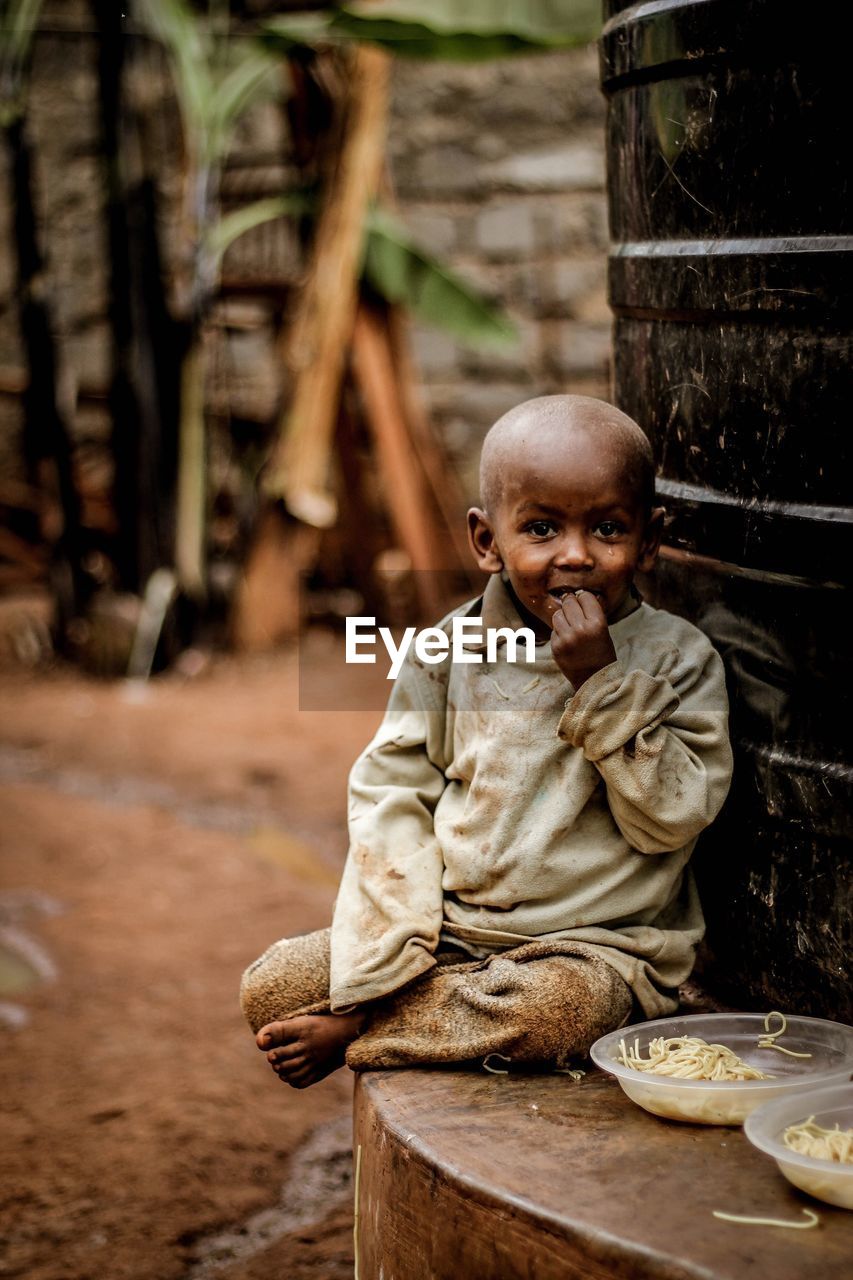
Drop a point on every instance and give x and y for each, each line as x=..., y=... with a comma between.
x=285, y=1051
x=288, y=1065
x=272, y=1035
x=300, y=1077
x=293, y=1067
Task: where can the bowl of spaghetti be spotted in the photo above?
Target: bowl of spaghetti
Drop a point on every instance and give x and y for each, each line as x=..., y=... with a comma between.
x=716, y=1068
x=810, y=1136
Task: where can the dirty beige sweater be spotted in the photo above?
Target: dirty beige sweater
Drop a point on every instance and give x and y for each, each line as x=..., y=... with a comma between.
x=495, y=805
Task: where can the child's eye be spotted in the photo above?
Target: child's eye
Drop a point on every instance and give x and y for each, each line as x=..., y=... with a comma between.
x=540, y=528
x=609, y=528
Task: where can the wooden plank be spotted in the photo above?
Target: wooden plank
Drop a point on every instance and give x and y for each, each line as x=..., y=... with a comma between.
x=444, y=487
x=318, y=343
x=360, y=529
x=316, y=351
x=405, y=491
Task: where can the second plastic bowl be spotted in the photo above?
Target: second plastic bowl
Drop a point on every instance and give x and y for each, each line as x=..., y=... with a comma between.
x=826, y=1179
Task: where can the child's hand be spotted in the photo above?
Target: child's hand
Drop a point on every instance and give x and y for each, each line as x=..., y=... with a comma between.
x=580, y=639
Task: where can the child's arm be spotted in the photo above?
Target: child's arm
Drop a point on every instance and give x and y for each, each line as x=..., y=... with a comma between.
x=389, y=908
x=660, y=742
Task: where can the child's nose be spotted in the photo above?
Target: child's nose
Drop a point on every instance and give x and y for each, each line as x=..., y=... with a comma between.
x=573, y=551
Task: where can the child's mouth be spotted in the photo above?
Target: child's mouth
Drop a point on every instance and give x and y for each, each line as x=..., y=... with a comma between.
x=560, y=593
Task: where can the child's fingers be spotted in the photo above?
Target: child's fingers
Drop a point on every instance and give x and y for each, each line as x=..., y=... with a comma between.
x=572, y=609
x=576, y=612
x=560, y=623
x=589, y=605
x=580, y=608
x=561, y=615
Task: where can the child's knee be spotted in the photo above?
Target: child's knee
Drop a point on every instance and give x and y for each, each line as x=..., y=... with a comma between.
x=252, y=994
x=570, y=1002
x=594, y=996
x=259, y=986
x=290, y=975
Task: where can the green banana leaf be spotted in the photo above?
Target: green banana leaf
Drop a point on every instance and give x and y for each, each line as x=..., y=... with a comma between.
x=402, y=273
x=213, y=93
x=393, y=266
x=300, y=31
x=18, y=20
x=253, y=77
x=233, y=225
x=466, y=30
x=184, y=37
x=535, y=20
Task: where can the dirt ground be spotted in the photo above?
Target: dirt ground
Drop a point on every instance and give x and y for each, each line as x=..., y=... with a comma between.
x=155, y=839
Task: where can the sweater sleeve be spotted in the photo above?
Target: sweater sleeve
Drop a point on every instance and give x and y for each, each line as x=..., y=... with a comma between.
x=389, y=908
x=660, y=742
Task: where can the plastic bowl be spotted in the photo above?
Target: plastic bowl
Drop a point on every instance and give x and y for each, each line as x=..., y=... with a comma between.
x=730, y=1102
x=824, y=1179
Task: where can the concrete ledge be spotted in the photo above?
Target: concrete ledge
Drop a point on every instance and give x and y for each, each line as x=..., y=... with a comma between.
x=471, y=1176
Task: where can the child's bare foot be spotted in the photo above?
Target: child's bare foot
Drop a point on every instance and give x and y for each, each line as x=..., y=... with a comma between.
x=303, y=1050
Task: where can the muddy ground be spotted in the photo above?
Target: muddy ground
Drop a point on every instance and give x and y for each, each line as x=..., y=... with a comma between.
x=153, y=841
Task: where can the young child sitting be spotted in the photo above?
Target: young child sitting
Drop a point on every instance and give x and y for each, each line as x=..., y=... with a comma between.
x=517, y=880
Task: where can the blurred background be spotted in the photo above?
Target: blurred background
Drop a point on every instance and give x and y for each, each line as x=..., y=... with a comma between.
x=263, y=288
x=267, y=275
x=268, y=272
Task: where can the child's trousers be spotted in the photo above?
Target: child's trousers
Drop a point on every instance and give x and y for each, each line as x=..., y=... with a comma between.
x=538, y=1003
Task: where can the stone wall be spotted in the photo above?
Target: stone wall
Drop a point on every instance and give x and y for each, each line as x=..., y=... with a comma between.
x=497, y=167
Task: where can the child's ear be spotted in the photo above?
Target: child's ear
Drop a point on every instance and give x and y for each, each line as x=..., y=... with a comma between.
x=481, y=536
x=651, y=540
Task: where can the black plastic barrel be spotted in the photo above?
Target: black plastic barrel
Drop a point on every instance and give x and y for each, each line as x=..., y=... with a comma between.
x=729, y=158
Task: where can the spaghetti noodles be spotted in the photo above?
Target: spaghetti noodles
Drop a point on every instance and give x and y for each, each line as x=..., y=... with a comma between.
x=768, y=1040
x=812, y=1220
x=810, y=1139
x=689, y=1058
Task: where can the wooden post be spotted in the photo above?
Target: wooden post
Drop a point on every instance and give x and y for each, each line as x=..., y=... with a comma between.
x=191, y=522
x=405, y=490
x=316, y=351
x=442, y=481
x=319, y=340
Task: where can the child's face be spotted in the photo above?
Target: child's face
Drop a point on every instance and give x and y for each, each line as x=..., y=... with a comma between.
x=567, y=518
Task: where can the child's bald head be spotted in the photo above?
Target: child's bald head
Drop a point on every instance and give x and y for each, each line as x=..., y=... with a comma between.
x=548, y=425
x=567, y=486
